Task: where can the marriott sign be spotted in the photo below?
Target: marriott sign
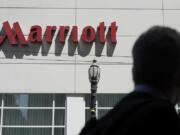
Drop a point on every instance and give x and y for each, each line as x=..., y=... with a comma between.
x=35, y=35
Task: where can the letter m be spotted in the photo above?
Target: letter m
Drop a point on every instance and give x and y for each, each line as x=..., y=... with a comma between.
x=13, y=34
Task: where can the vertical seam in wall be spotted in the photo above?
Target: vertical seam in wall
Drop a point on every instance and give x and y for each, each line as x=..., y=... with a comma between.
x=75, y=66
x=2, y=111
x=53, y=115
x=75, y=12
x=65, y=133
x=163, y=12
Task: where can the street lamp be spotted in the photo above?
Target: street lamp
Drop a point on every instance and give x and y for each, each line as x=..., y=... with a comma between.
x=94, y=76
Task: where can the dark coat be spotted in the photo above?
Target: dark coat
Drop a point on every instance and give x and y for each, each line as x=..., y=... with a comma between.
x=137, y=114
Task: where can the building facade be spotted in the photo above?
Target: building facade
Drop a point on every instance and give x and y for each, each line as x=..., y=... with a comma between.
x=46, y=48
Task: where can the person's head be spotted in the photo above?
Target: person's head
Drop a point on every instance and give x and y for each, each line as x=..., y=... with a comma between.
x=156, y=59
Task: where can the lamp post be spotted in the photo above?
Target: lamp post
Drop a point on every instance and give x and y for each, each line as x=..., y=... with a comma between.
x=94, y=76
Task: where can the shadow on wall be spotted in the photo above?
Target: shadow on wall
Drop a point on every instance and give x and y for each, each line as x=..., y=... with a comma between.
x=34, y=48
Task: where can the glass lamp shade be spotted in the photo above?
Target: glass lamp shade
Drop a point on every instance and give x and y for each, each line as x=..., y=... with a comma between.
x=94, y=73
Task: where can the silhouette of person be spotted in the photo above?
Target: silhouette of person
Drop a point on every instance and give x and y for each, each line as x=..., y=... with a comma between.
x=150, y=108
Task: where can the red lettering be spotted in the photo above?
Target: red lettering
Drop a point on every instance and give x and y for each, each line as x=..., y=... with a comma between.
x=101, y=29
x=35, y=34
x=62, y=31
x=88, y=34
x=12, y=35
x=113, y=28
x=49, y=31
x=2, y=39
x=75, y=34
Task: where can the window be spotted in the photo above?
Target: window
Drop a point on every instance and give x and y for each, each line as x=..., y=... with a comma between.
x=32, y=114
x=105, y=102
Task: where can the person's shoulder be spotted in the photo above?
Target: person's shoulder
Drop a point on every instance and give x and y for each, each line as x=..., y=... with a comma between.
x=157, y=107
x=142, y=106
x=148, y=105
x=155, y=115
x=160, y=109
x=141, y=98
x=134, y=111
